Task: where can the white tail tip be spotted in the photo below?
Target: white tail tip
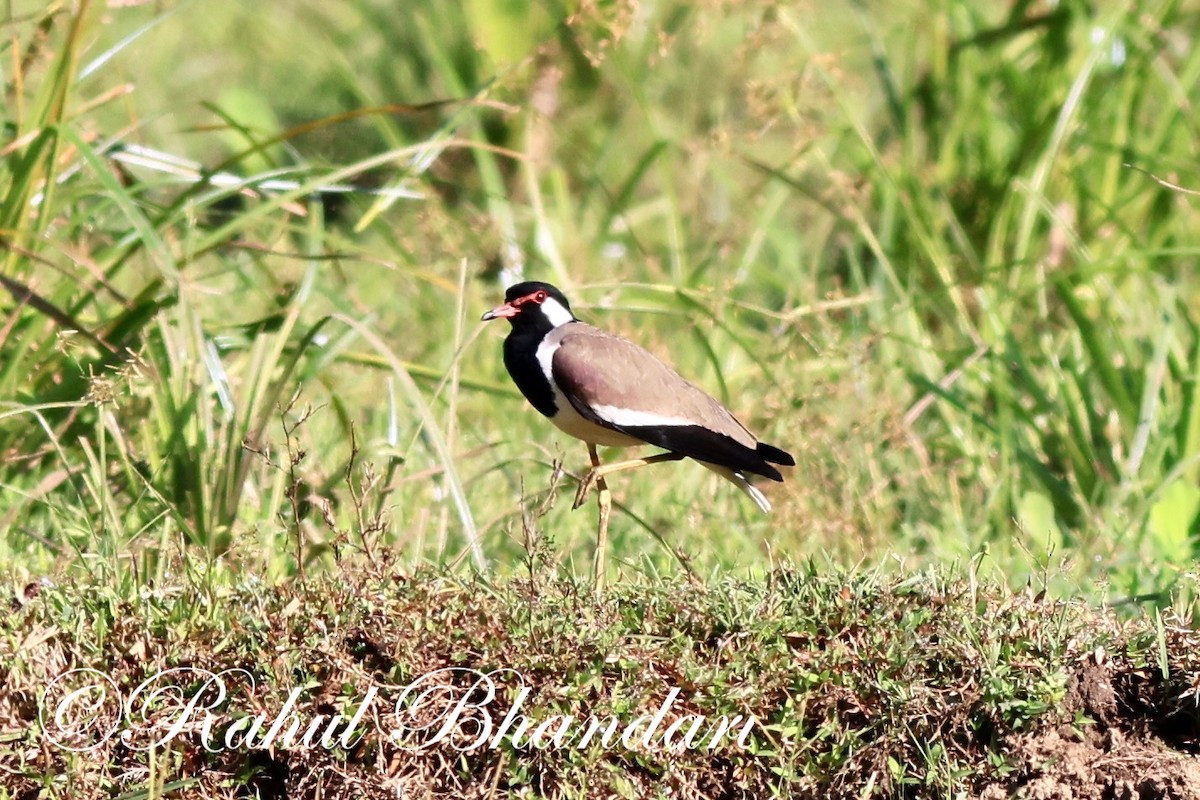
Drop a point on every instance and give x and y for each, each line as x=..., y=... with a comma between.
x=739, y=480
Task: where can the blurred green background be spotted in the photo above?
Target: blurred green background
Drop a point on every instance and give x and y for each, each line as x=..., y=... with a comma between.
x=943, y=252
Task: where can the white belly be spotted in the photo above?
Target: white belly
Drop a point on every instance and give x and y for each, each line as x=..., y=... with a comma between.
x=569, y=421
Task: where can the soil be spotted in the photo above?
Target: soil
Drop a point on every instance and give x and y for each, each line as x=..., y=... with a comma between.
x=1121, y=753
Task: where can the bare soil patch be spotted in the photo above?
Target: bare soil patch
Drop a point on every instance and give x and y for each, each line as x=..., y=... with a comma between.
x=1136, y=742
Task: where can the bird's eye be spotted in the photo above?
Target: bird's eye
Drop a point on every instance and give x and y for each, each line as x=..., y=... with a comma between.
x=540, y=297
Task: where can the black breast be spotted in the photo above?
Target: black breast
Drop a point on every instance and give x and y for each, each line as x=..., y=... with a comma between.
x=520, y=358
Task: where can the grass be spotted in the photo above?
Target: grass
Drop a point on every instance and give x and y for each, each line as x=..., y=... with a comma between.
x=944, y=253
x=929, y=686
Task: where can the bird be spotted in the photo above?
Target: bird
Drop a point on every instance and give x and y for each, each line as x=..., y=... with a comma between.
x=606, y=390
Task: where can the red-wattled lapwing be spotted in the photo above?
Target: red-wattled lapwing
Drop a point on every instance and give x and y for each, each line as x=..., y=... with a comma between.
x=606, y=390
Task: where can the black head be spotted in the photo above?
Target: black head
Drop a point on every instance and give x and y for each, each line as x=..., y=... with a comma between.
x=533, y=305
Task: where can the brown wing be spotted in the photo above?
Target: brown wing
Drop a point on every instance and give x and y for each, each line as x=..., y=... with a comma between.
x=619, y=385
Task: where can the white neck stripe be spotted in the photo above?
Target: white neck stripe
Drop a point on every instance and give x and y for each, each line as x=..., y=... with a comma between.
x=556, y=312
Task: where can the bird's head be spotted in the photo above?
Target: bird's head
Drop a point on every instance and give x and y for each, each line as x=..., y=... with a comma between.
x=533, y=305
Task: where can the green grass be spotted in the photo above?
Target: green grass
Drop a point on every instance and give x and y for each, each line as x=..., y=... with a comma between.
x=935, y=267
x=943, y=252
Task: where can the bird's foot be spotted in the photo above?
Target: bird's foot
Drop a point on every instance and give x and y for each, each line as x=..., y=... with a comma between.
x=585, y=487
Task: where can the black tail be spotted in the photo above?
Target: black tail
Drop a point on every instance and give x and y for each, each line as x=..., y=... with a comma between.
x=776, y=456
x=695, y=441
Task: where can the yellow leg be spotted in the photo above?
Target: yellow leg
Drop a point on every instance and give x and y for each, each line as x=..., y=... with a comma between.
x=604, y=499
x=596, y=476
